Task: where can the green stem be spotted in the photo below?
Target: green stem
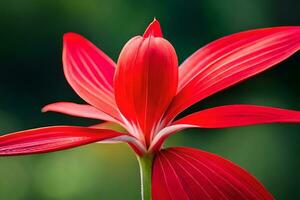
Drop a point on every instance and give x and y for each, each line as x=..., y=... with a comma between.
x=145, y=163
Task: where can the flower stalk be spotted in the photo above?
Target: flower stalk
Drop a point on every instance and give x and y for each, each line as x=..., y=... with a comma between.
x=145, y=163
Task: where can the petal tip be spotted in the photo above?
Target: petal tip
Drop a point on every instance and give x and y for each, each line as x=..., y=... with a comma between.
x=71, y=36
x=43, y=110
x=49, y=107
x=153, y=29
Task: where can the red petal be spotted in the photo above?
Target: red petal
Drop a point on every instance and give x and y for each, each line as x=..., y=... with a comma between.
x=146, y=81
x=239, y=115
x=230, y=60
x=90, y=72
x=50, y=139
x=185, y=173
x=224, y=117
x=153, y=30
x=134, y=143
x=78, y=110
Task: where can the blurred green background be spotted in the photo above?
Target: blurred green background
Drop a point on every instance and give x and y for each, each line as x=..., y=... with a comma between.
x=31, y=77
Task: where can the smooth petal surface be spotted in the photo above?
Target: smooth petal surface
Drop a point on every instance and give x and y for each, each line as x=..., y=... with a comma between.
x=230, y=60
x=190, y=174
x=78, y=110
x=48, y=139
x=153, y=29
x=90, y=72
x=224, y=117
x=146, y=81
x=239, y=115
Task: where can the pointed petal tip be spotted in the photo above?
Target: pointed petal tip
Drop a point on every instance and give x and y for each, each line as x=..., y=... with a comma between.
x=44, y=109
x=52, y=138
x=153, y=29
x=78, y=110
x=47, y=108
x=155, y=21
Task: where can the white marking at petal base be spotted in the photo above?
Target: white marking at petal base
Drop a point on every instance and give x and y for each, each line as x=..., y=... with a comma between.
x=165, y=132
x=125, y=138
x=133, y=129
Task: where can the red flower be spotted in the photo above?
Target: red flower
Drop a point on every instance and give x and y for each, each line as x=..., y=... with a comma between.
x=146, y=90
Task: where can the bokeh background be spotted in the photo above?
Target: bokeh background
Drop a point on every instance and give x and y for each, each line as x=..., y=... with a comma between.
x=31, y=76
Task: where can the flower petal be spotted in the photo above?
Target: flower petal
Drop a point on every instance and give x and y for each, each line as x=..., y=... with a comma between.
x=186, y=173
x=239, y=115
x=230, y=60
x=78, y=110
x=153, y=29
x=224, y=117
x=146, y=81
x=134, y=143
x=90, y=73
x=164, y=133
x=48, y=139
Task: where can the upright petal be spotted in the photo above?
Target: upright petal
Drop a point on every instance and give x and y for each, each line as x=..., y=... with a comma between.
x=190, y=174
x=78, y=110
x=153, y=29
x=230, y=60
x=146, y=81
x=49, y=139
x=90, y=72
x=239, y=115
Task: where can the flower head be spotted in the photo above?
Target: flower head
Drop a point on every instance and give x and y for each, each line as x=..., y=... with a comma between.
x=146, y=90
x=145, y=81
